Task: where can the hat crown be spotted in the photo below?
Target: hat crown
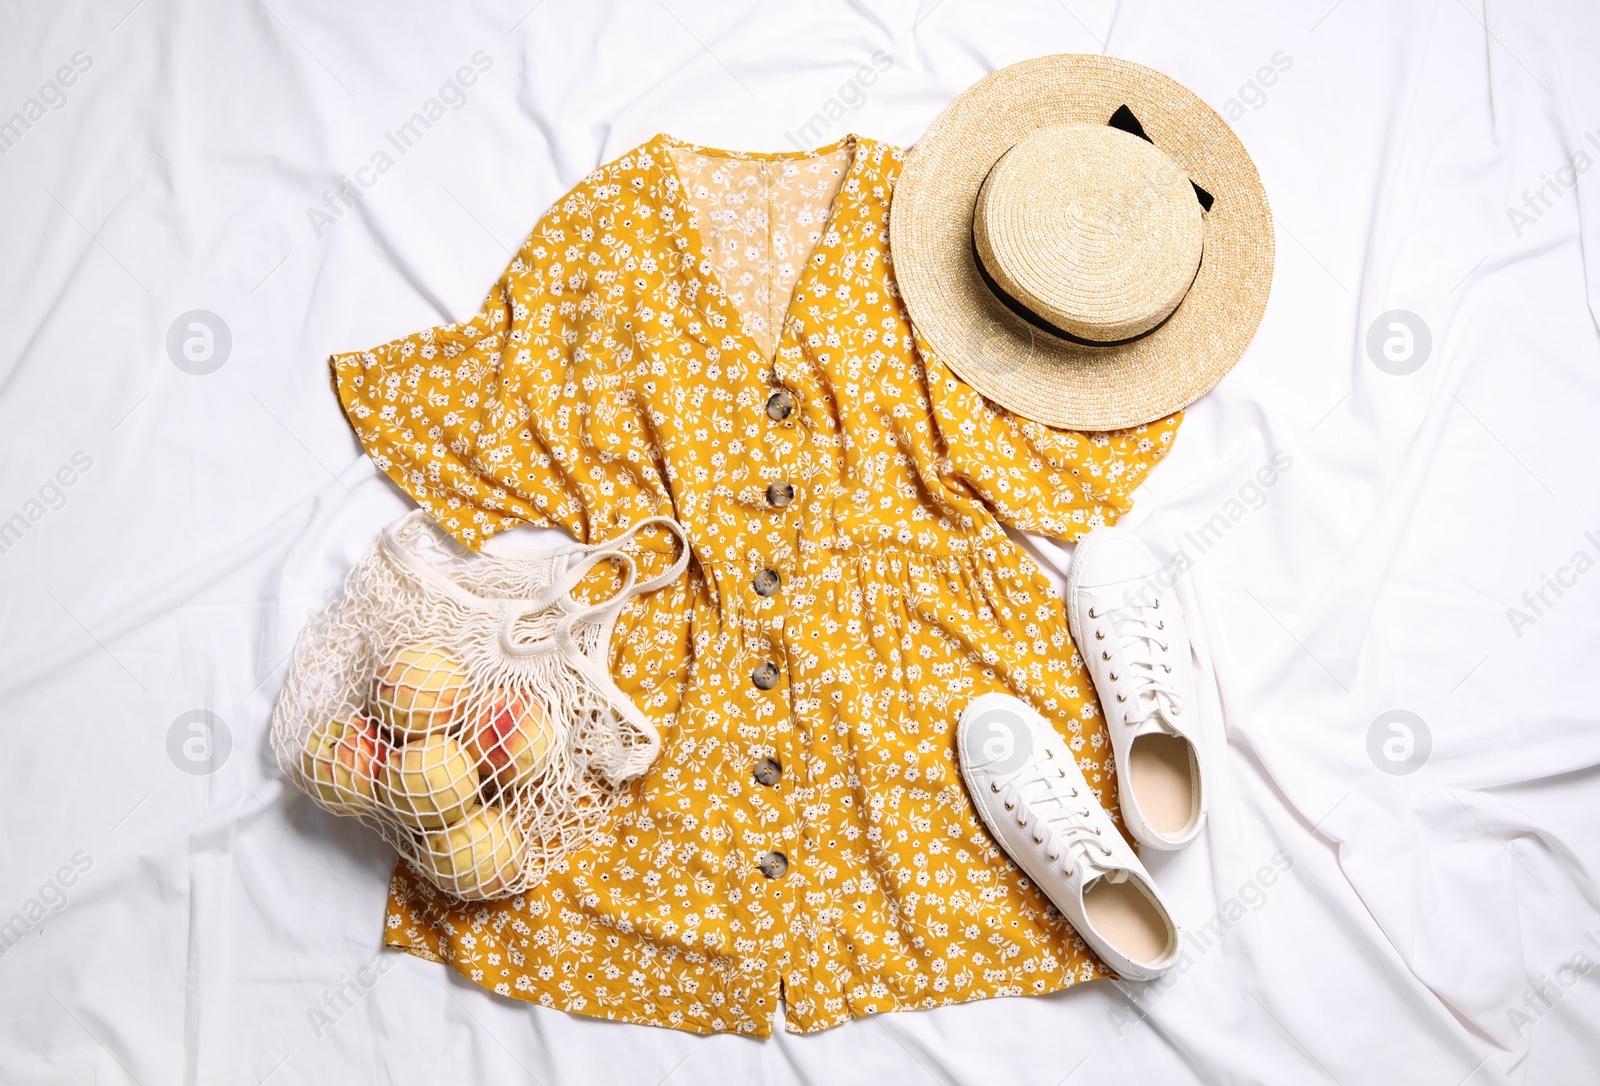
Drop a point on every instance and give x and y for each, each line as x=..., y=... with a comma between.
x=1096, y=231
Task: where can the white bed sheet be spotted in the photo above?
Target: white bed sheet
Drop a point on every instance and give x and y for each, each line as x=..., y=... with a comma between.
x=1435, y=926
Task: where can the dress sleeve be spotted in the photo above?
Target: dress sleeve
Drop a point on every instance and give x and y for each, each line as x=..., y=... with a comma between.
x=1059, y=483
x=522, y=414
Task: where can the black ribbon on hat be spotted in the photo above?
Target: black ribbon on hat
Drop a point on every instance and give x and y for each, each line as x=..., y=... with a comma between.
x=1124, y=120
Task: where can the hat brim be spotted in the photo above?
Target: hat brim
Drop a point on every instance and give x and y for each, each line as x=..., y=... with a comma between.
x=1019, y=366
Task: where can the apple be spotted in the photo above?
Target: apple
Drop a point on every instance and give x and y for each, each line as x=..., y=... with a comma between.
x=478, y=856
x=511, y=739
x=341, y=763
x=419, y=690
x=428, y=783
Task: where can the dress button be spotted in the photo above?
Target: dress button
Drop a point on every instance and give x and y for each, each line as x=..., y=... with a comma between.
x=780, y=405
x=780, y=495
x=767, y=582
x=768, y=770
x=766, y=676
x=773, y=864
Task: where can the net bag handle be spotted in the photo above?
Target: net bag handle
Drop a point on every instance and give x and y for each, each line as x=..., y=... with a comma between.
x=604, y=613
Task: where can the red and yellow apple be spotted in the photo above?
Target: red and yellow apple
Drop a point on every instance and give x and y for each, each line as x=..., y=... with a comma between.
x=419, y=690
x=341, y=763
x=477, y=856
x=428, y=783
x=510, y=739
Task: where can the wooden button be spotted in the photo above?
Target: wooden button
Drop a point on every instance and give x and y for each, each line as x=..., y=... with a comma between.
x=773, y=864
x=768, y=771
x=780, y=495
x=767, y=582
x=766, y=676
x=780, y=405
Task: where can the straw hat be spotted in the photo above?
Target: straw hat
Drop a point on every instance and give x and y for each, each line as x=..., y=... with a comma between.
x=1083, y=241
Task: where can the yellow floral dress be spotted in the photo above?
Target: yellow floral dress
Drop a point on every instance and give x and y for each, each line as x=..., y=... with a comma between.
x=718, y=337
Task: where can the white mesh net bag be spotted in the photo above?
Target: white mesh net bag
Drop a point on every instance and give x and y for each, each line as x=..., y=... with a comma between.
x=460, y=704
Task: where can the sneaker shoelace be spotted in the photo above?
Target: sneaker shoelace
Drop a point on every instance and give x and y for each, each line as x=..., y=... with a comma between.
x=1058, y=812
x=1149, y=675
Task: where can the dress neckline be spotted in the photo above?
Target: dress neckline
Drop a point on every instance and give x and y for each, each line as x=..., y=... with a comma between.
x=705, y=266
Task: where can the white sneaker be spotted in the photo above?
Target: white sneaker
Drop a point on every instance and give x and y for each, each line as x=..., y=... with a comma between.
x=1130, y=632
x=1031, y=794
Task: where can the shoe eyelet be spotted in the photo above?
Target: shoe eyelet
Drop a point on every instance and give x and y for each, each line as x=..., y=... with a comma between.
x=1048, y=753
x=1161, y=625
x=1011, y=806
x=1038, y=840
x=1121, y=698
x=995, y=788
x=1092, y=614
x=1163, y=645
x=1167, y=668
x=1061, y=772
x=1157, y=605
x=1105, y=655
x=1113, y=676
x=1099, y=635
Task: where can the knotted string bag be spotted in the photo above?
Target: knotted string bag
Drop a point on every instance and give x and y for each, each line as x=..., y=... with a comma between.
x=461, y=705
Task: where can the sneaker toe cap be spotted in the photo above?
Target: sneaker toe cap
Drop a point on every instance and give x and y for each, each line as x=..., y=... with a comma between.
x=1112, y=556
x=995, y=738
